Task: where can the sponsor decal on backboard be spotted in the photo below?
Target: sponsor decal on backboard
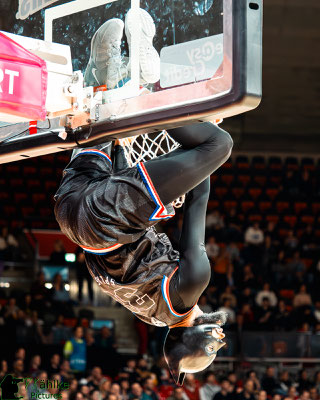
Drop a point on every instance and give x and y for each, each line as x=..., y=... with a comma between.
x=29, y=7
x=191, y=61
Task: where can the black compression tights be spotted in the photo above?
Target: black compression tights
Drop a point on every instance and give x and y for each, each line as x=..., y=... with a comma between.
x=204, y=148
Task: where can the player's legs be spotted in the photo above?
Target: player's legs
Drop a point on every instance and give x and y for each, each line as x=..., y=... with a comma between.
x=205, y=147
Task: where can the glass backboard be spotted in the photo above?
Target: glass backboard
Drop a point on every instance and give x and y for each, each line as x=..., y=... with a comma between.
x=210, y=58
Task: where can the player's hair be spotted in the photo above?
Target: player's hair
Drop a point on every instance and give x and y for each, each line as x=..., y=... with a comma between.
x=217, y=317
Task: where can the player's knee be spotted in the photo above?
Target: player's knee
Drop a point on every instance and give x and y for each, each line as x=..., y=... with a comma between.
x=225, y=143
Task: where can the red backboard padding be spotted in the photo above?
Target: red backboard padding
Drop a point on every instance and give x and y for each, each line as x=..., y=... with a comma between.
x=23, y=81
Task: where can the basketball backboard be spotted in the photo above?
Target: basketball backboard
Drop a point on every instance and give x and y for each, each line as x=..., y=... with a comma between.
x=210, y=67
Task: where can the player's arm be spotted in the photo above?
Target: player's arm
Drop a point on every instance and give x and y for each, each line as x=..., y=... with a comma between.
x=194, y=271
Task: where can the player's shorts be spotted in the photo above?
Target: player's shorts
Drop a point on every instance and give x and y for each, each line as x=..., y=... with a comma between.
x=99, y=209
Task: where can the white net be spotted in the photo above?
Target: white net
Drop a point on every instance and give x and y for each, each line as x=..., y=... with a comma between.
x=148, y=146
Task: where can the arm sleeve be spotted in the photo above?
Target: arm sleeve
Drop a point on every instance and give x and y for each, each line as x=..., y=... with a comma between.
x=194, y=270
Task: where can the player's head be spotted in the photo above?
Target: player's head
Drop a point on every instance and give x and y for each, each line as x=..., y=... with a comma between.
x=192, y=349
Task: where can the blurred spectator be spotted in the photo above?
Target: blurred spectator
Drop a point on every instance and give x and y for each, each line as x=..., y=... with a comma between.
x=253, y=376
x=247, y=320
x=248, y=391
x=226, y=307
x=304, y=382
x=8, y=245
x=266, y=293
x=129, y=371
x=179, y=394
x=57, y=256
x=220, y=268
x=191, y=387
x=269, y=382
x=40, y=293
x=75, y=350
x=292, y=393
x=224, y=393
x=305, y=395
x=116, y=390
x=214, y=221
x=149, y=389
x=291, y=242
x=137, y=392
x=59, y=293
x=278, y=267
x=210, y=386
x=314, y=395
x=4, y=368
x=60, y=332
x=96, y=378
x=302, y=298
x=142, y=369
x=124, y=388
x=229, y=295
x=265, y=315
x=65, y=371
x=317, y=381
x=105, y=338
x=36, y=387
x=262, y=395
x=254, y=235
x=282, y=318
x=83, y=274
x=284, y=383
x=212, y=248
x=35, y=364
x=248, y=280
x=203, y=304
x=317, y=310
x=54, y=366
x=18, y=368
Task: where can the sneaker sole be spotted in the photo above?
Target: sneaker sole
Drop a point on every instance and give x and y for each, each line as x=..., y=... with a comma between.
x=148, y=55
x=100, y=38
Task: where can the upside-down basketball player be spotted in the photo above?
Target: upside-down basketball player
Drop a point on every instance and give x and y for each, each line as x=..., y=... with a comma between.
x=110, y=211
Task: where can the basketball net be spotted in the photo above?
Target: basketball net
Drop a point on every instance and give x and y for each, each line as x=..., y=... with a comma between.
x=148, y=146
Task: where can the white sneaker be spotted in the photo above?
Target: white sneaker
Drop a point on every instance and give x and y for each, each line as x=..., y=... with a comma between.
x=106, y=66
x=148, y=55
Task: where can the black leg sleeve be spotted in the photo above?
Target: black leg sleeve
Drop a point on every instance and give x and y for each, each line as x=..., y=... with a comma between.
x=205, y=147
x=194, y=271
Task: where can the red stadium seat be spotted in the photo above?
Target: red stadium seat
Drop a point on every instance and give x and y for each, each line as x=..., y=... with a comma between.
x=264, y=205
x=247, y=205
x=287, y=294
x=220, y=192
x=260, y=180
x=315, y=208
x=272, y=218
x=244, y=179
x=255, y=192
x=237, y=192
x=291, y=220
x=255, y=218
x=20, y=197
x=282, y=206
x=213, y=204
x=300, y=206
x=229, y=204
x=272, y=193
x=227, y=179
x=308, y=219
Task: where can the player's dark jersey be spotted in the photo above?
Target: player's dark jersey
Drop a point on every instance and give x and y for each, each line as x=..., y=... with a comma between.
x=138, y=276
x=111, y=216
